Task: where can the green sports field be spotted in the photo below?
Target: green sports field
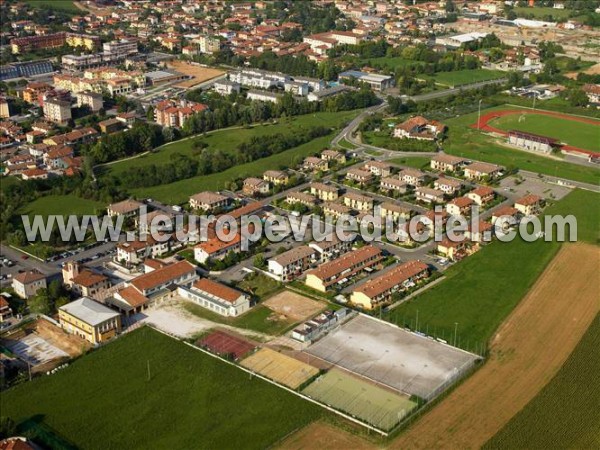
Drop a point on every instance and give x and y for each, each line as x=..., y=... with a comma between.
x=369, y=403
x=565, y=413
x=462, y=77
x=104, y=400
x=577, y=134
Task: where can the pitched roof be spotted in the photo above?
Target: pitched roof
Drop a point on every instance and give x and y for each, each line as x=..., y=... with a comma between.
x=337, y=266
x=125, y=206
x=391, y=278
x=132, y=296
x=87, y=278
x=89, y=311
x=208, y=197
x=162, y=276
x=529, y=199
x=293, y=255
x=218, y=290
x=216, y=245
x=29, y=277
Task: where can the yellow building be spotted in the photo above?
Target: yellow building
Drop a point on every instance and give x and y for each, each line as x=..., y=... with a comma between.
x=90, y=320
x=80, y=40
x=325, y=192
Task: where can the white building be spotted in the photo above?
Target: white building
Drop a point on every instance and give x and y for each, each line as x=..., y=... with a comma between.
x=216, y=297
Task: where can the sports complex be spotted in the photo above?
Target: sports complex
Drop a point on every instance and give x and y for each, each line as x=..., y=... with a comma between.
x=575, y=133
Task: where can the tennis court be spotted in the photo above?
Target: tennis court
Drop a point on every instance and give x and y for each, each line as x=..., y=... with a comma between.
x=371, y=404
x=224, y=344
x=280, y=368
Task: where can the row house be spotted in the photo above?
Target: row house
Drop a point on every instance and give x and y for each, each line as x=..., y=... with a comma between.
x=379, y=168
x=208, y=201
x=358, y=202
x=394, y=212
x=276, y=177
x=412, y=177
x=447, y=185
x=291, y=264
x=301, y=198
x=255, y=186
x=331, y=247
x=393, y=184
x=429, y=195
x=447, y=163
x=336, y=210
x=324, y=192
x=481, y=195
x=359, y=176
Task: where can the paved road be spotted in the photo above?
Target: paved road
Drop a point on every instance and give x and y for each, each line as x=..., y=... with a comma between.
x=457, y=90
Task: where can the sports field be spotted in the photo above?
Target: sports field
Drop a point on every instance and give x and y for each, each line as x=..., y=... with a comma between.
x=462, y=77
x=280, y=368
x=147, y=390
x=294, y=306
x=583, y=133
x=393, y=357
x=371, y=404
x=226, y=344
x=527, y=351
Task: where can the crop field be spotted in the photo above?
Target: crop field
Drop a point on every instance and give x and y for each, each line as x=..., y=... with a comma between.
x=134, y=392
x=527, y=351
x=461, y=77
x=565, y=413
x=481, y=291
x=371, y=404
x=466, y=141
x=280, y=368
x=62, y=204
x=575, y=131
x=393, y=357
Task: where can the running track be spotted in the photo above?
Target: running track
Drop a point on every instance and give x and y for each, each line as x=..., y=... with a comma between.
x=485, y=126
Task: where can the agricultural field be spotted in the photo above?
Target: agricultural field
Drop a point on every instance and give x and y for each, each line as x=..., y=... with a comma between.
x=578, y=133
x=62, y=204
x=565, y=413
x=461, y=77
x=481, y=291
x=534, y=342
x=176, y=384
x=463, y=140
x=368, y=402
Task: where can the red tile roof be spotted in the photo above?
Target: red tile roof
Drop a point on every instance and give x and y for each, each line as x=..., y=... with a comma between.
x=217, y=289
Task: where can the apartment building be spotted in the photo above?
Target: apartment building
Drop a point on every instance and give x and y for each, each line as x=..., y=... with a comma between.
x=447, y=163
x=331, y=247
x=324, y=192
x=217, y=249
x=394, y=185
x=89, y=320
x=448, y=186
x=479, y=170
x=57, y=111
x=429, y=195
x=358, y=202
x=301, y=198
x=291, y=264
x=359, y=176
x=208, y=201
x=216, y=297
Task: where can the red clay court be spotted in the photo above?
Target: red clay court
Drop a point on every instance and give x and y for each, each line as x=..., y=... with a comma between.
x=223, y=344
x=484, y=125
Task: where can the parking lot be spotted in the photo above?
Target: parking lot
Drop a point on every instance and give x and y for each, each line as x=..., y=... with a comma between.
x=392, y=356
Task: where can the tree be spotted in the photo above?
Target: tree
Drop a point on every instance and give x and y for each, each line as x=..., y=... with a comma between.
x=8, y=427
x=577, y=97
x=40, y=303
x=260, y=261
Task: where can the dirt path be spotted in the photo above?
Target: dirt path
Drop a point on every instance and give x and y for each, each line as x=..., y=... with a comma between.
x=322, y=436
x=527, y=351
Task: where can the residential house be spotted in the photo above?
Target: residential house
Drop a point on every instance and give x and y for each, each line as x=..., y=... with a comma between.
x=358, y=202
x=126, y=208
x=505, y=212
x=301, y=198
x=412, y=177
x=342, y=269
x=419, y=128
x=276, y=177
x=394, y=212
x=315, y=164
x=336, y=210
x=359, y=176
x=85, y=282
x=460, y=206
x=380, y=289
x=379, y=168
x=448, y=186
x=447, y=163
x=131, y=253
x=333, y=155
x=482, y=195
x=26, y=284
x=89, y=320
x=208, y=201
x=5, y=311
x=216, y=249
x=393, y=184
x=292, y=263
x=331, y=247
x=429, y=195
x=478, y=170
x=255, y=186
x=529, y=205
x=479, y=232
x=324, y=192
x=454, y=250
x=593, y=93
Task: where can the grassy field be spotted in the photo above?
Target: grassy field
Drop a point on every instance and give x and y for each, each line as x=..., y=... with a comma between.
x=180, y=191
x=391, y=63
x=62, y=204
x=479, y=292
x=461, y=77
x=63, y=5
x=96, y=403
x=578, y=134
x=565, y=413
x=470, y=143
x=539, y=12
x=419, y=162
x=228, y=140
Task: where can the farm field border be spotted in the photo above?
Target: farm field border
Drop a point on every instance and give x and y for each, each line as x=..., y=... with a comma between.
x=534, y=349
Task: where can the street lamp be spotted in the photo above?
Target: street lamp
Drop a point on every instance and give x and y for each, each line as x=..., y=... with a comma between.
x=455, y=331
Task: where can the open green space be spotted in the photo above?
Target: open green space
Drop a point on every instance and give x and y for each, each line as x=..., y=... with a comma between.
x=565, y=413
x=370, y=403
x=63, y=5
x=180, y=191
x=462, y=140
x=391, y=63
x=418, y=162
x=578, y=134
x=147, y=390
x=62, y=204
x=481, y=291
x=260, y=319
x=461, y=77
x=540, y=12
x=228, y=139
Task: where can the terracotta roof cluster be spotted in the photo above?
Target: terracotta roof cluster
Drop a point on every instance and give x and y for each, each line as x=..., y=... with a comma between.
x=88, y=278
x=218, y=290
x=389, y=280
x=529, y=199
x=345, y=262
x=162, y=276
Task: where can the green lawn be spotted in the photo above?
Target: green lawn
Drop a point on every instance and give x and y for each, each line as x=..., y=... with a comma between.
x=229, y=139
x=419, y=162
x=578, y=134
x=539, y=12
x=391, y=63
x=565, y=413
x=63, y=5
x=470, y=143
x=260, y=319
x=259, y=285
x=104, y=400
x=180, y=191
x=461, y=77
x=479, y=292
x=62, y=204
